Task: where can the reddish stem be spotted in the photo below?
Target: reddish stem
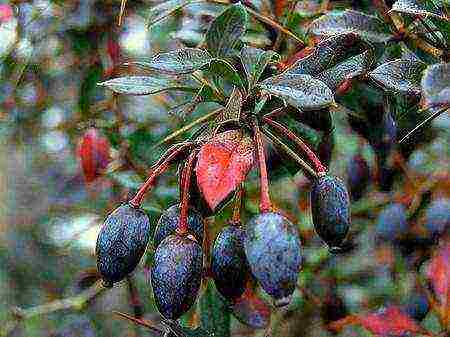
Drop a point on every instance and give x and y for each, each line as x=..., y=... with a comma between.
x=157, y=170
x=186, y=179
x=236, y=220
x=320, y=169
x=265, y=205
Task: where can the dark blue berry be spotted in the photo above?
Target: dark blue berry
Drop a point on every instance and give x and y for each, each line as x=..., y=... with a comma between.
x=437, y=217
x=392, y=223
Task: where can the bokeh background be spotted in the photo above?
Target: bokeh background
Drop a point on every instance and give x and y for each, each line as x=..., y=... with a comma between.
x=52, y=55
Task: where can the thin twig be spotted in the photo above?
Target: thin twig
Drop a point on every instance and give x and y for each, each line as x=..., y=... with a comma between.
x=184, y=203
x=427, y=120
x=265, y=205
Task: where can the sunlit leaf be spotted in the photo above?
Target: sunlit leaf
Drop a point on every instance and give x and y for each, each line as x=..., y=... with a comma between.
x=214, y=314
x=180, y=61
x=226, y=30
x=142, y=85
x=369, y=27
x=436, y=85
x=255, y=61
x=421, y=8
x=223, y=163
x=399, y=76
x=301, y=91
x=438, y=274
x=232, y=111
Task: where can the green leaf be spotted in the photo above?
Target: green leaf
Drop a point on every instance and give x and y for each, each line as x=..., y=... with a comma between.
x=301, y=91
x=436, y=85
x=369, y=27
x=232, y=111
x=177, y=62
x=142, y=85
x=214, y=313
x=225, y=70
x=226, y=30
x=255, y=61
x=399, y=76
x=421, y=8
x=165, y=9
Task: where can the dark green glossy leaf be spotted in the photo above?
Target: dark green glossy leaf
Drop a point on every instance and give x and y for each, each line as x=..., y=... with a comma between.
x=142, y=85
x=226, y=30
x=301, y=91
x=255, y=61
x=232, y=111
x=436, y=85
x=399, y=76
x=180, y=61
x=421, y=8
x=214, y=313
x=369, y=27
x=225, y=70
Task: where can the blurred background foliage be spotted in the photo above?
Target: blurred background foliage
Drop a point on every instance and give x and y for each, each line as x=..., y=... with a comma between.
x=52, y=55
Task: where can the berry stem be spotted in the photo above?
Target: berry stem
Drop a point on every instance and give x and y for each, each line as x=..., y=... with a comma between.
x=159, y=168
x=265, y=205
x=187, y=171
x=320, y=169
x=236, y=220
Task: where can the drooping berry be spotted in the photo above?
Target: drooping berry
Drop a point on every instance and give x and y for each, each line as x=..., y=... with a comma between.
x=358, y=176
x=122, y=242
x=169, y=220
x=176, y=275
x=330, y=210
x=273, y=251
x=437, y=217
x=391, y=223
x=229, y=266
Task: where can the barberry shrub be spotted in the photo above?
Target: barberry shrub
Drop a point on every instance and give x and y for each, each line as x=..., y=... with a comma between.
x=270, y=83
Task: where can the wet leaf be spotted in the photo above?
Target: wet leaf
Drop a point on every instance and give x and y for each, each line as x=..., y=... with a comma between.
x=399, y=76
x=232, y=111
x=223, y=163
x=142, y=85
x=421, y=8
x=438, y=274
x=227, y=71
x=369, y=27
x=251, y=310
x=214, y=314
x=301, y=91
x=255, y=61
x=436, y=85
x=94, y=153
x=390, y=322
x=226, y=30
x=180, y=61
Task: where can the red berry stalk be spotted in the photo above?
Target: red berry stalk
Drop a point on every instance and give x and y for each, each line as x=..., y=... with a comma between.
x=265, y=205
x=186, y=181
x=159, y=168
x=320, y=168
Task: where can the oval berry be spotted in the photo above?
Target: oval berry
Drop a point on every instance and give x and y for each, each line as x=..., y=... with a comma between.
x=391, y=223
x=176, y=275
x=330, y=204
x=273, y=251
x=169, y=220
x=437, y=217
x=122, y=242
x=229, y=266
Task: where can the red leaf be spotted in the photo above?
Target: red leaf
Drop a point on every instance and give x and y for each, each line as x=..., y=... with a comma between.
x=438, y=274
x=94, y=152
x=391, y=321
x=223, y=163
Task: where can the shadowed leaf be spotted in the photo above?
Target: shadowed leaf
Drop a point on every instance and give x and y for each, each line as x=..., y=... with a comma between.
x=436, y=85
x=369, y=27
x=223, y=163
x=226, y=30
x=142, y=85
x=180, y=61
x=421, y=8
x=400, y=76
x=301, y=91
x=227, y=71
x=214, y=314
x=255, y=61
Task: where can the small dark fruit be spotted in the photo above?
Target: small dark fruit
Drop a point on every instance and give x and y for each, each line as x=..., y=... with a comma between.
x=417, y=306
x=229, y=266
x=122, y=242
x=169, y=220
x=392, y=223
x=273, y=251
x=437, y=217
x=176, y=275
x=358, y=176
x=330, y=210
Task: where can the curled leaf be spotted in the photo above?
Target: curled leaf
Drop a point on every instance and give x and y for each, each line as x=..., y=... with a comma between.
x=223, y=163
x=142, y=85
x=436, y=85
x=301, y=91
x=367, y=26
x=400, y=76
